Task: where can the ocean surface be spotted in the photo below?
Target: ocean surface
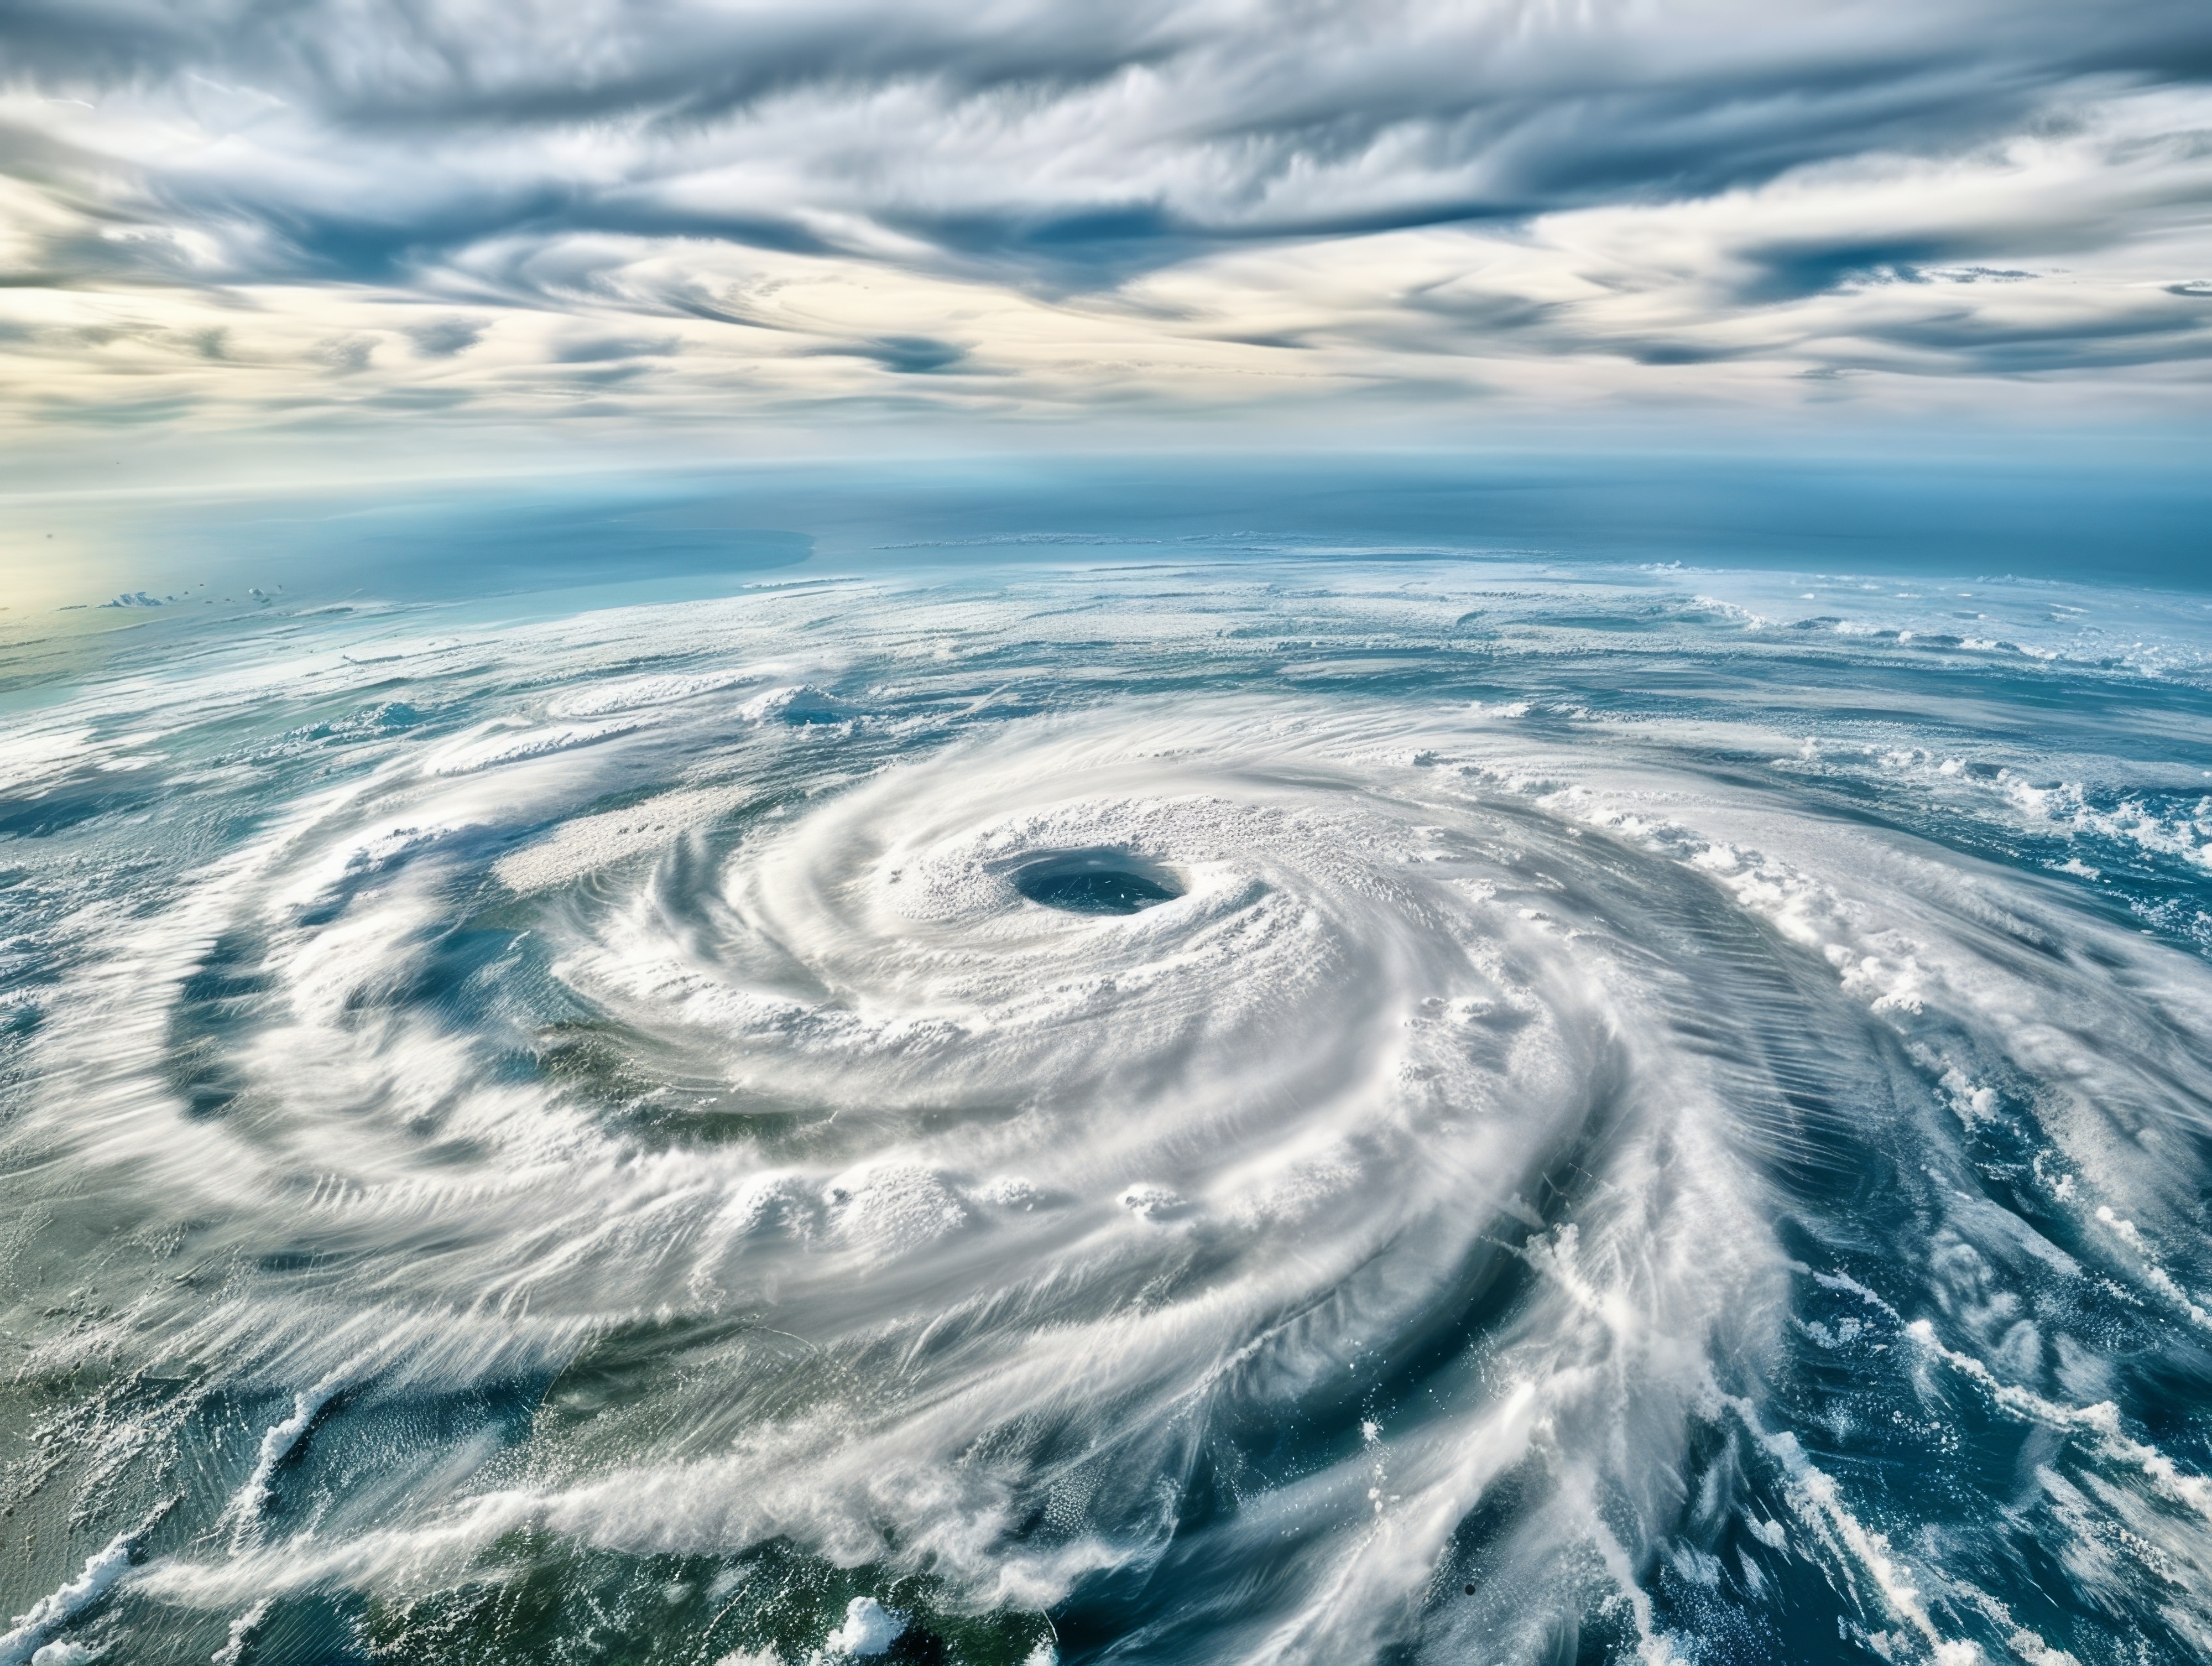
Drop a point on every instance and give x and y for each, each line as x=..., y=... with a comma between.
x=667, y=1084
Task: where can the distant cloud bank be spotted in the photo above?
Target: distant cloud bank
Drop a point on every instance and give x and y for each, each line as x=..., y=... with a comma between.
x=228, y=215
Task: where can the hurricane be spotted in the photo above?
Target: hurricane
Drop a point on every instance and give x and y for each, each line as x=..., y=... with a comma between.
x=1272, y=1105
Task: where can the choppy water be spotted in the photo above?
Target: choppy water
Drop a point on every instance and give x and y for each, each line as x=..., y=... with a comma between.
x=1311, y=1109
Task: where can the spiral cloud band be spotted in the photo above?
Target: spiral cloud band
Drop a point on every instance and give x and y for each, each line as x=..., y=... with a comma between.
x=1283, y=1111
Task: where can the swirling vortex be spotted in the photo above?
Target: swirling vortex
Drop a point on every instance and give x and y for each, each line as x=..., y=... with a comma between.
x=1556, y=1174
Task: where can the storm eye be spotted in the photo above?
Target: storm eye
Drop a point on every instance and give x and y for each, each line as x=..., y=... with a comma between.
x=1095, y=882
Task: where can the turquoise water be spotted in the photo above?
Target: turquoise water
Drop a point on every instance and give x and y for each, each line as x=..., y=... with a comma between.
x=1099, y=1095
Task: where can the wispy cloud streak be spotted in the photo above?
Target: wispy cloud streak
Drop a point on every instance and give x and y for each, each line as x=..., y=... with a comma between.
x=1026, y=206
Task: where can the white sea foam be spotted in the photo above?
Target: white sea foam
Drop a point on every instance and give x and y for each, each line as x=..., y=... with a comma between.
x=242, y=1630
x=279, y=1443
x=34, y=1630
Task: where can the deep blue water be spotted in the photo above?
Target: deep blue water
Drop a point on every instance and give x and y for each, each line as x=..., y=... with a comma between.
x=1500, y=1065
x=2101, y=514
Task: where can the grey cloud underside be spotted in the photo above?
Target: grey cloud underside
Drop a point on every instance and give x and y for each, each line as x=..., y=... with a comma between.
x=516, y=155
x=2158, y=335
x=1250, y=120
x=443, y=338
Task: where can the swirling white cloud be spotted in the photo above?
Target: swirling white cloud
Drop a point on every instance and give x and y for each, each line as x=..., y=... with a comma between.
x=218, y=213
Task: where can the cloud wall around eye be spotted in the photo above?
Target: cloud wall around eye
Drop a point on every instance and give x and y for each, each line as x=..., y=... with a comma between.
x=363, y=216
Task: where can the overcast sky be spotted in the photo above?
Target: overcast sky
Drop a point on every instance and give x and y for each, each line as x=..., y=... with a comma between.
x=674, y=218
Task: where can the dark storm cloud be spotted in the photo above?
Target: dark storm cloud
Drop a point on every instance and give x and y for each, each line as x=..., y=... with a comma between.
x=618, y=169
x=1791, y=272
x=1183, y=125
x=911, y=355
x=400, y=63
x=1960, y=340
x=597, y=349
x=441, y=338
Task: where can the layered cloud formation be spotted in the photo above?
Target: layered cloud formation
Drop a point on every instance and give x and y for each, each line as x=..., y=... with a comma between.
x=696, y=211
